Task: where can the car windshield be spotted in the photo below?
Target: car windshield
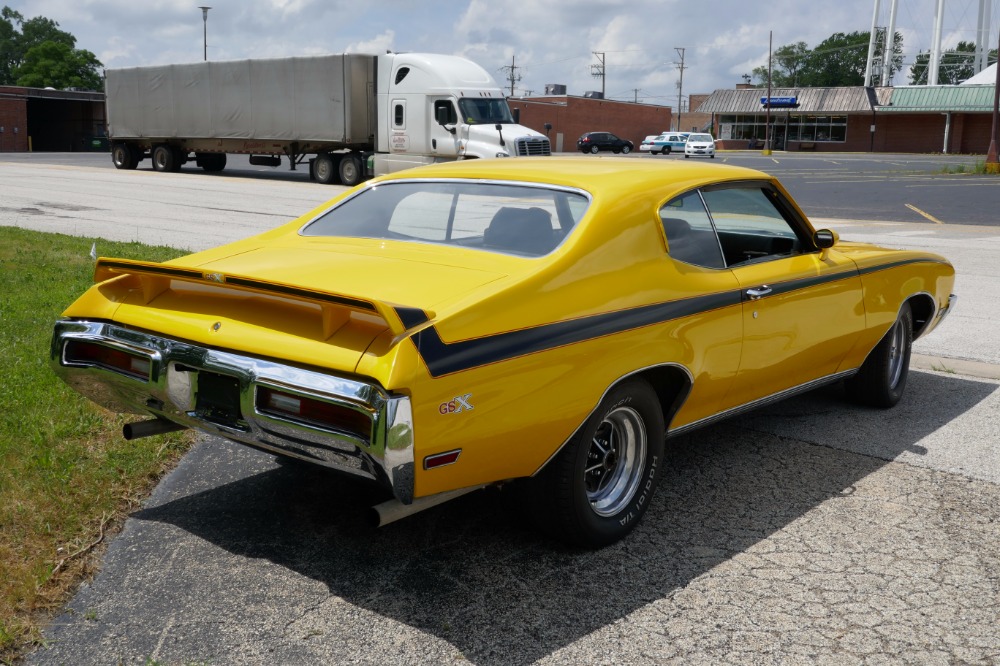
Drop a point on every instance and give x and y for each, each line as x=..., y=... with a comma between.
x=700, y=137
x=478, y=111
x=507, y=218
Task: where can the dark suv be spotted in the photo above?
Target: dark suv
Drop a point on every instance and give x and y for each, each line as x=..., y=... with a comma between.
x=595, y=142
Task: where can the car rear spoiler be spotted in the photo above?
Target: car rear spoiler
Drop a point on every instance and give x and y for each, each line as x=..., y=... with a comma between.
x=155, y=278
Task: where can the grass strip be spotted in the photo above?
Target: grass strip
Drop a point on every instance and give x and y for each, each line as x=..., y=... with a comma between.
x=67, y=476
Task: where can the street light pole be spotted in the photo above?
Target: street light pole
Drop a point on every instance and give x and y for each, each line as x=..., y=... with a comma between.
x=992, y=163
x=204, y=19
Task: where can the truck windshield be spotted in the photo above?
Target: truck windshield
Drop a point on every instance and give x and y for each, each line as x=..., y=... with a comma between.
x=509, y=218
x=478, y=111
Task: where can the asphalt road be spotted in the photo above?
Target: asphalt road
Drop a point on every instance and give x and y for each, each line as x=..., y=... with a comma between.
x=812, y=531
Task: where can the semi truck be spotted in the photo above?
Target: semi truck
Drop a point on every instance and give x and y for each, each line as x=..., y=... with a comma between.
x=352, y=116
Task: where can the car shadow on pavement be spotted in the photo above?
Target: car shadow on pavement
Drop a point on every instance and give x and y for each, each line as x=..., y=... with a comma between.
x=473, y=574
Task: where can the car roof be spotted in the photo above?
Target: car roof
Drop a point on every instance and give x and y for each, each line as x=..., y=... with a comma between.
x=613, y=175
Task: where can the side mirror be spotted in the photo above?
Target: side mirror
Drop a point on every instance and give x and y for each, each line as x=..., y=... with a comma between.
x=825, y=238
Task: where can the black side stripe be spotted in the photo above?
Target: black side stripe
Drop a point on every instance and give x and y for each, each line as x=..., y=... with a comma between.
x=443, y=358
x=904, y=262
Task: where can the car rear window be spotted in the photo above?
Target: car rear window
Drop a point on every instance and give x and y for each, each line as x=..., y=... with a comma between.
x=507, y=218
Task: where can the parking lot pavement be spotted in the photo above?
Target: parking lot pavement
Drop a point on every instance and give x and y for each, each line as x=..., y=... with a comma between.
x=812, y=531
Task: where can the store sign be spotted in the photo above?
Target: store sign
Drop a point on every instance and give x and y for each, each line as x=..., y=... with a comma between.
x=780, y=102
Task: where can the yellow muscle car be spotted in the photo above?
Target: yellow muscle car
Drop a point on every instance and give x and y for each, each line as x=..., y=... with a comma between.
x=473, y=323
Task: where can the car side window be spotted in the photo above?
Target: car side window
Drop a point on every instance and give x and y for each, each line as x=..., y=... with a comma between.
x=690, y=235
x=749, y=225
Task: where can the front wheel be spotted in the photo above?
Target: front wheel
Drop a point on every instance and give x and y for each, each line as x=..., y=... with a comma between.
x=598, y=487
x=666, y=150
x=626, y=149
x=882, y=377
x=593, y=150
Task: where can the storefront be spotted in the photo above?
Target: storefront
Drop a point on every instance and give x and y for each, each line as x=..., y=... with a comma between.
x=905, y=119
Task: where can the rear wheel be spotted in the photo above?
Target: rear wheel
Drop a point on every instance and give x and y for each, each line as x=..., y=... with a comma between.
x=598, y=487
x=882, y=377
x=350, y=170
x=124, y=156
x=323, y=168
x=166, y=158
x=211, y=161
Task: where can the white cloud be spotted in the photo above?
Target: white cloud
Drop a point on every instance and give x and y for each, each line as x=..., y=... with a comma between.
x=549, y=42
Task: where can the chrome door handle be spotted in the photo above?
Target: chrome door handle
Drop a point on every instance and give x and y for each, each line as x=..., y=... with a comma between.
x=757, y=292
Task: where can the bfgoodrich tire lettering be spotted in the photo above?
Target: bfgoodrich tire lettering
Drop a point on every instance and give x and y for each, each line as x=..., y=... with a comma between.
x=599, y=486
x=882, y=377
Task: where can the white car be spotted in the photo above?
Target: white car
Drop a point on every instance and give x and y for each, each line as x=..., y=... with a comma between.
x=699, y=144
x=647, y=143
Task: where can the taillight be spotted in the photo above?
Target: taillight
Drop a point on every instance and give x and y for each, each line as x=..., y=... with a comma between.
x=313, y=411
x=110, y=358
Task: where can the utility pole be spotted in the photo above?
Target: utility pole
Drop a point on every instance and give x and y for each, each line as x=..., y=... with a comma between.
x=767, y=116
x=680, y=86
x=511, y=74
x=599, y=70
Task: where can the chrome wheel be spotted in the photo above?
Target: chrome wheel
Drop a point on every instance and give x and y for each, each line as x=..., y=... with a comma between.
x=615, y=461
x=897, y=347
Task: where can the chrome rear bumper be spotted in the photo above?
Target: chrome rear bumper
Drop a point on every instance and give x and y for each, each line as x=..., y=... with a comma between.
x=218, y=393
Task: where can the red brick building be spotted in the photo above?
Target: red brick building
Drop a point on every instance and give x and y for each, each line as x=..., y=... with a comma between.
x=906, y=119
x=569, y=117
x=51, y=120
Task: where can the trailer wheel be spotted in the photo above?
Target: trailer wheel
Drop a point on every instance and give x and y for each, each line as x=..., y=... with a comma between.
x=350, y=170
x=323, y=169
x=165, y=158
x=124, y=157
x=211, y=161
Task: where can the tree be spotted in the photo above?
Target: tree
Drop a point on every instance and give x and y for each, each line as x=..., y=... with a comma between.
x=839, y=60
x=19, y=37
x=786, y=64
x=59, y=66
x=956, y=65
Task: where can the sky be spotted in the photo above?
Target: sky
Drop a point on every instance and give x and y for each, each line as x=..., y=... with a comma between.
x=545, y=41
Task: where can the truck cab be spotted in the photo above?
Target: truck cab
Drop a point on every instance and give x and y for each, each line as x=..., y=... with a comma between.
x=432, y=108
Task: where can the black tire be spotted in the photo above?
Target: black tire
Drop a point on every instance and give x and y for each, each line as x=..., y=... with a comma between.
x=666, y=150
x=626, y=149
x=165, y=158
x=124, y=156
x=324, y=169
x=596, y=489
x=350, y=170
x=686, y=156
x=211, y=162
x=882, y=377
x=594, y=150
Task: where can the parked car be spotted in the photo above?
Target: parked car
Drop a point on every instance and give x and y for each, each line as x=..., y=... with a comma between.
x=669, y=142
x=539, y=323
x=699, y=144
x=595, y=142
x=647, y=143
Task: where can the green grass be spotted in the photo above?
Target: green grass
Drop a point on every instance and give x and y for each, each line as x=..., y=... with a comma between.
x=978, y=168
x=66, y=474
